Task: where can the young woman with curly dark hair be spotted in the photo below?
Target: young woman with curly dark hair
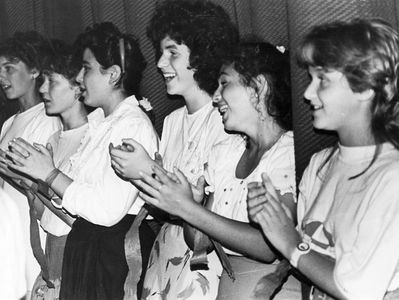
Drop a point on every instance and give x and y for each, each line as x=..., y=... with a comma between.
x=254, y=99
x=191, y=39
x=95, y=265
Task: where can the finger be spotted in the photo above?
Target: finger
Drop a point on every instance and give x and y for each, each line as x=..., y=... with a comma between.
x=18, y=150
x=201, y=183
x=131, y=142
x=161, y=175
x=269, y=185
x=50, y=149
x=117, y=168
x=147, y=188
x=42, y=149
x=15, y=159
x=255, y=189
x=128, y=147
x=118, y=161
x=23, y=143
x=158, y=159
x=148, y=199
x=173, y=177
x=120, y=153
x=182, y=178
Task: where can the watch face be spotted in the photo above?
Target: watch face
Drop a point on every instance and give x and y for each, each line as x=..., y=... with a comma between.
x=303, y=246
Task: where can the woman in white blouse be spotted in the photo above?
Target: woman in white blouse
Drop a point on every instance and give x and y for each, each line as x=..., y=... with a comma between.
x=94, y=264
x=20, y=61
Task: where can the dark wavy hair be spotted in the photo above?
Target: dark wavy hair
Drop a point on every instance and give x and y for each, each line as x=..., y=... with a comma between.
x=205, y=28
x=367, y=53
x=60, y=59
x=104, y=40
x=28, y=47
x=253, y=59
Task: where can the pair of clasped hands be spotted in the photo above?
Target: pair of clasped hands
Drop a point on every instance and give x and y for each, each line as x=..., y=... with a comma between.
x=173, y=193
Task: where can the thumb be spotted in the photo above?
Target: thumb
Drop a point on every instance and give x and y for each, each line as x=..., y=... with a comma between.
x=49, y=148
x=41, y=148
x=131, y=142
x=201, y=183
x=269, y=185
x=158, y=159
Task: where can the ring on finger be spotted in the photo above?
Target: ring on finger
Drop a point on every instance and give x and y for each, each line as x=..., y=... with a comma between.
x=27, y=155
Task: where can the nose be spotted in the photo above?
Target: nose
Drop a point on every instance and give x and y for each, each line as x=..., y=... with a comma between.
x=44, y=87
x=310, y=92
x=216, y=96
x=79, y=77
x=162, y=62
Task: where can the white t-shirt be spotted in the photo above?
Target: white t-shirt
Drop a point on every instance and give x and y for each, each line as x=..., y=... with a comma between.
x=12, y=251
x=230, y=192
x=65, y=144
x=97, y=193
x=33, y=125
x=354, y=221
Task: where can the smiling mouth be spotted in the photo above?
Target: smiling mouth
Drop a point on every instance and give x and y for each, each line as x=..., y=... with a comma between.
x=169, y=76
x=5, y=86
x=223, y=109
x=316, y=107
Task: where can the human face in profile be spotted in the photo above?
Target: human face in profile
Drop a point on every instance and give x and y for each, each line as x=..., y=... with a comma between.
x=59, y=95
x=16, y=79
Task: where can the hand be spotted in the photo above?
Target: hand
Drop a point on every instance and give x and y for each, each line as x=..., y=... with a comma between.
x=172, y=196
x=129, y=159
x=35, y=161
x=265, y=209
x=4, y=170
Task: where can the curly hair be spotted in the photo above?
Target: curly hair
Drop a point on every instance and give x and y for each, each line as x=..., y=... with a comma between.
x=205, y=28
x=60, y=59
x=367, y=53
x=108, y=45
x=253, y=59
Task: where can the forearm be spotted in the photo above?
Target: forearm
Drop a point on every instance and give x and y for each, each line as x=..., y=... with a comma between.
x=190, y=234
x=237, y=236
x=60, y=214
x=319, y=269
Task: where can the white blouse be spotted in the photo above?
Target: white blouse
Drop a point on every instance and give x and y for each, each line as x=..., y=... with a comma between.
x=230, y=192
x=97, y=193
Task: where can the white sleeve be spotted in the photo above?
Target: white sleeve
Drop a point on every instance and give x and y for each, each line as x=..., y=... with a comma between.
x=12, y=251
x=366, y=271
x=100, y=196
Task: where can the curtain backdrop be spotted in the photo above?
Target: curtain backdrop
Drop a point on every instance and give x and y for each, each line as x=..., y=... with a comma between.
x=281, y=22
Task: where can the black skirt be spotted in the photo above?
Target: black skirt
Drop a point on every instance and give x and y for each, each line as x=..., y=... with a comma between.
x=94, y=265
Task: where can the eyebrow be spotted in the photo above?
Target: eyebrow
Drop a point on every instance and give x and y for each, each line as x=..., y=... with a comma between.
x=171, y=47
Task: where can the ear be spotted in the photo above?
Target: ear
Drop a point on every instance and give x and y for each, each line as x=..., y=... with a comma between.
x=76, y=90
x=261, y=86
x=367, y=95
x=115, y=73
x=35, y=73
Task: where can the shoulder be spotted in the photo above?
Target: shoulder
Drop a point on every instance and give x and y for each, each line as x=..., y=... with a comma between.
x=175, y=115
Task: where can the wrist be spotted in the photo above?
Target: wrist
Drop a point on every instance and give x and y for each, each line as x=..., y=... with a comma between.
x=301, y=248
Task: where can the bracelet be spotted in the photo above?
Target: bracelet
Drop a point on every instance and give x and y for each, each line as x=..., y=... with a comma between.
x=52, y=176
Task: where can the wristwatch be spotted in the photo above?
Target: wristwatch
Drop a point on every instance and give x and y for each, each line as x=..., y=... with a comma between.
x=301, y=249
